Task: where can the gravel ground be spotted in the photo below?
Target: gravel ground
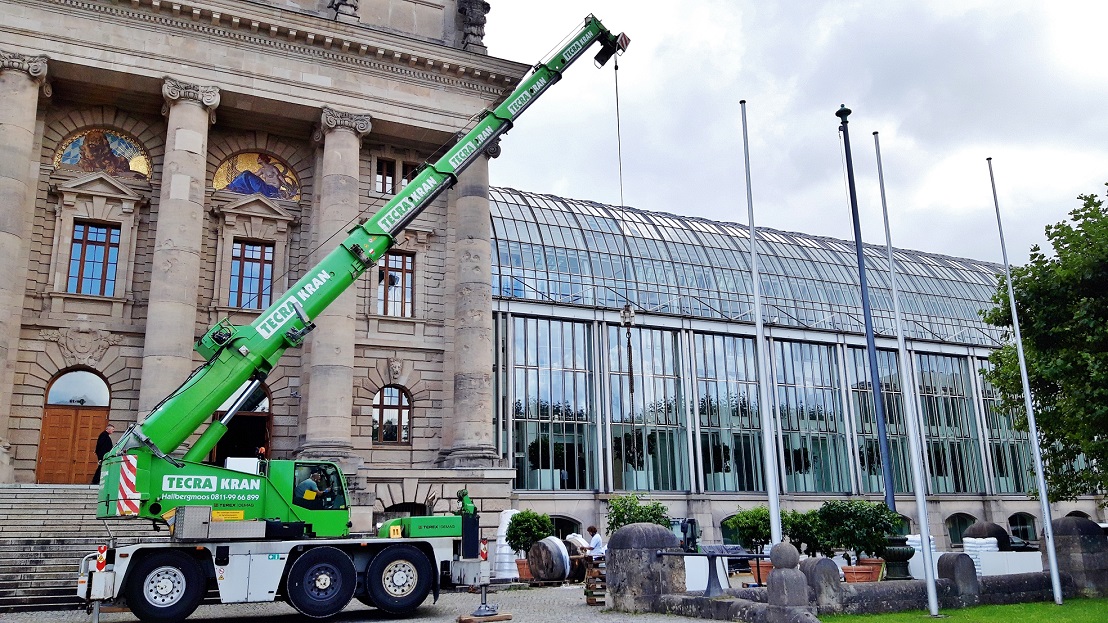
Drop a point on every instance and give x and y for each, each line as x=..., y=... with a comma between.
x=558, y=604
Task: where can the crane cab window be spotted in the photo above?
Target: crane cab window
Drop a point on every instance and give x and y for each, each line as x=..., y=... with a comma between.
x=318, y=486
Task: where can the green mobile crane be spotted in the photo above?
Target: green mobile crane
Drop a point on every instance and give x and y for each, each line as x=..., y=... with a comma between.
x=259, y=529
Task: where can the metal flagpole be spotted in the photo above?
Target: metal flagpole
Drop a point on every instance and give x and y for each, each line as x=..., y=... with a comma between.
x=769, y=443
x=915, y=452
x=871, y=349
x=1033, y=430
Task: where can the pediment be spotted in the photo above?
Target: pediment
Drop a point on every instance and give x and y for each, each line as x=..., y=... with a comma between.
x=101, y=184
x=256, y=206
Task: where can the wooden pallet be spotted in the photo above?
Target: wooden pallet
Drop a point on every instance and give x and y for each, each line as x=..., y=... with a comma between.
x=469, y=618
x=596, y=582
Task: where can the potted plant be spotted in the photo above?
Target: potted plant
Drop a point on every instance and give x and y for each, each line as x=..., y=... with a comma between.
x=859, y=526
x=752, y=531
x=806, y=531
x=525, y=528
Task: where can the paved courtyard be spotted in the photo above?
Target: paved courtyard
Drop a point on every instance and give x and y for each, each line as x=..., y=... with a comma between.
x=559, y=604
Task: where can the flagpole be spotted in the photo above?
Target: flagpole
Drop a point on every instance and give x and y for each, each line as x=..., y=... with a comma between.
x=871, y=348
x=915, y=453
x=769, y=442
x=1033, y=430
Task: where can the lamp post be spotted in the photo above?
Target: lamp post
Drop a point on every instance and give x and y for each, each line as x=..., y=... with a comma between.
x=626, y=319
x=875, y=373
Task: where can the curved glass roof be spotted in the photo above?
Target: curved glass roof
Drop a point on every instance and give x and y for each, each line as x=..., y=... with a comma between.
x=575, y=252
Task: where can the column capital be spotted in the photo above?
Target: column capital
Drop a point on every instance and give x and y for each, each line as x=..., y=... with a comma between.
x=332, y=119
x=33, y=66
x=174, y=90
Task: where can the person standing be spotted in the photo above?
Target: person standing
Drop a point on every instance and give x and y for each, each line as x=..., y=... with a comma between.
x=104, y=445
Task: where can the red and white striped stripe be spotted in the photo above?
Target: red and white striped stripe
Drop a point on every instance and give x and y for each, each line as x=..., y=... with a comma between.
x=128, y=501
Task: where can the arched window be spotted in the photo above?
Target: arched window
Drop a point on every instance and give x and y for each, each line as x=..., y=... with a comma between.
x=956, y=524
x=78, y=388
x=1081, y=514
x=1023, y=526
x=392, y=415
x=565, y=526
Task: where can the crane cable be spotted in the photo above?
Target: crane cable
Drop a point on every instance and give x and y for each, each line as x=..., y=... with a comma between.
x=619, y=138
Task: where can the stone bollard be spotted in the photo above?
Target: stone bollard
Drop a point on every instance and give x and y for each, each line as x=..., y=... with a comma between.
x=637, y=577
x=959, y=569
x=824, y=587
x=787, y=588
x=1082, y=550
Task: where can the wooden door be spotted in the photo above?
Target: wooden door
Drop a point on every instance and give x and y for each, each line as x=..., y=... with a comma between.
x=67, y=446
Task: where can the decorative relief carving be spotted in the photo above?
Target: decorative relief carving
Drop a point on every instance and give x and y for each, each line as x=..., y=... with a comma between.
x=396, y=367
x=82, y=346
x=335, y=119
x=34, y=66
x=174, y=90
x=473, y=16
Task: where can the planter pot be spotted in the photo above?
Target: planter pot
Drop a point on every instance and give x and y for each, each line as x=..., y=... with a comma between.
x=524, y=570
x=897, y=555
x=877, y=563
x=760, y=569
x=861, y=573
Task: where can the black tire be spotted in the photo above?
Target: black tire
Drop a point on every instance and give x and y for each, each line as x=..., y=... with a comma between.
x=165, y=587
x=321, y=582
x=399, y=579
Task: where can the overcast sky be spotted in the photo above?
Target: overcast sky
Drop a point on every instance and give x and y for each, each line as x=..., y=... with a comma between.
x=946, y=84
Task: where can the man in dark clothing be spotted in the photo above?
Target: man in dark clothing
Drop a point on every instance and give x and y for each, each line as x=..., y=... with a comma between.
x=104, y=445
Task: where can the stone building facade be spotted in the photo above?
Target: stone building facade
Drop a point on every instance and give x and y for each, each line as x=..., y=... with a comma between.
x=167, y=165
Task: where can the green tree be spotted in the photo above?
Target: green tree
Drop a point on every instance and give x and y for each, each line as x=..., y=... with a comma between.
x=627, y=509
x=1062, y=302
x=527, y=527
x=750, y=527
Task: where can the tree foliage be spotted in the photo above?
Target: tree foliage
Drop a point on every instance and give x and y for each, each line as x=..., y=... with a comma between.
x=750, y=527
x=627, y=509
x=527, y=527
x=858, y=526
x=1062, y=302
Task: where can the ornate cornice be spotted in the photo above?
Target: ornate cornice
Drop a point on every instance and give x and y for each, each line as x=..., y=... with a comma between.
x=341, y=47
x=174, y=90
x=33, y=66
x=341, y=120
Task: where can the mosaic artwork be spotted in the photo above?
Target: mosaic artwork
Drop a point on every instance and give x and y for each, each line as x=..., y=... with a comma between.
x=104, y=150
x=255, y=173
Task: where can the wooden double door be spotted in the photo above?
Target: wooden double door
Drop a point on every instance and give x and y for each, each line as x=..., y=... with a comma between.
x=67, y=446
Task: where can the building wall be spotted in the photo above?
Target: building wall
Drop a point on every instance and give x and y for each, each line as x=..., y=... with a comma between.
x=415, y=71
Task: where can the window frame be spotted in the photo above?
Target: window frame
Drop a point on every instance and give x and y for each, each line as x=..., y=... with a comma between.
x=386, y=182
x=406, y=284
x=264, y=295
x=404, y=409
x=110, y=263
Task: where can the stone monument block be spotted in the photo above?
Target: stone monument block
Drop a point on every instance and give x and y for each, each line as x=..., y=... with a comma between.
x=637, y=576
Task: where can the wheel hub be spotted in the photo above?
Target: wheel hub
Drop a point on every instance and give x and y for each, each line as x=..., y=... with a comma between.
x=165, y=586
x=322, y=582
x=400, y=578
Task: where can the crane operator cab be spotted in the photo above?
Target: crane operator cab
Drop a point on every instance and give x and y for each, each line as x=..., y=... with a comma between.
x=318, y=486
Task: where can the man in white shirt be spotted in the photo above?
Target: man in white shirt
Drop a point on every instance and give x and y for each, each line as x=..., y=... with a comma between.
x=596, y=544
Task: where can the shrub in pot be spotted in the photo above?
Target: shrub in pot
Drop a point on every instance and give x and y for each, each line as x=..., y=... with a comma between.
x=525, y=528
x=858, y=526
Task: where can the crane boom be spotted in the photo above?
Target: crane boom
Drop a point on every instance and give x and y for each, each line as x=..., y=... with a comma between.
x=236, y=355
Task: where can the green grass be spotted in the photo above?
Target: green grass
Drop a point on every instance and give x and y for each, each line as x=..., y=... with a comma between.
x=1072, y=611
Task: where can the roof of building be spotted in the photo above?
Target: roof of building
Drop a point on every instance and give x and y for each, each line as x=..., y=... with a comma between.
x=573, y=252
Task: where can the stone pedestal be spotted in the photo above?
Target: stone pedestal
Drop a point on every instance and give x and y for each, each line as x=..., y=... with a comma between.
x=20, y=78
x=787, y=588
x=327, y=386
x=637, y=576
x=1082, y=550
x=175, y=266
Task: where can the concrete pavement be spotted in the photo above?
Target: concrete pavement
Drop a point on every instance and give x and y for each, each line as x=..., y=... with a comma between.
x=558, y=604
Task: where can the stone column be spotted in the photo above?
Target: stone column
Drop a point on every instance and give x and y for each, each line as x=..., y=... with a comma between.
x=470, y=438
x=175, y=271
x=328, y=384
x=20, y=77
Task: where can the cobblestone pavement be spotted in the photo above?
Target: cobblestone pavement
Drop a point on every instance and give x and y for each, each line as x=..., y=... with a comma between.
x=557, y=604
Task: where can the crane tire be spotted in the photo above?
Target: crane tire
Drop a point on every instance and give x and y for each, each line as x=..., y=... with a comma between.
x=165, y=586
x=399, y=579
x=321, y=582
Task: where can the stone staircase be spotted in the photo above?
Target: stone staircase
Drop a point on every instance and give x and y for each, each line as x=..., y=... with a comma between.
x=45, y=531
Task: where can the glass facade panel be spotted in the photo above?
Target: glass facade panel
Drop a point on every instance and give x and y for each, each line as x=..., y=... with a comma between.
x=865, y=420
x=648, y=429
x=1010, y=449
x=727, y=406
x=811, y=418
x=949, y=425
x=553, y=419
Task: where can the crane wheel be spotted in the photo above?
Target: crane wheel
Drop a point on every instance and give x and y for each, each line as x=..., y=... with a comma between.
x=399, y=579
x=321, y=582
x=165, y=587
